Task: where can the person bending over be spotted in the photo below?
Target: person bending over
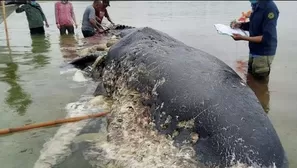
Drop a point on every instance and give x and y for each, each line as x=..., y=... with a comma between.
x=89, y=26
x=101, y=12
x=35, y=17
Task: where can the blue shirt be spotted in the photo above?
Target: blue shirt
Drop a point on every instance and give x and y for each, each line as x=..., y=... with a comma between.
x=88, y=14
x=263, y=21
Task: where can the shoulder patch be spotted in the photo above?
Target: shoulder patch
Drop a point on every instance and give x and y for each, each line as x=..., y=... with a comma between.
x=271, y=15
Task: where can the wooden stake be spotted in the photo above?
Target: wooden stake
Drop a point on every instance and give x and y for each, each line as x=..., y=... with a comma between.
x=5, y=23
x=50, y=123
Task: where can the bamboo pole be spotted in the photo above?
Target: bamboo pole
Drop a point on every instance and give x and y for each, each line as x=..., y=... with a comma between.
x=5, y=23
x=50, y=123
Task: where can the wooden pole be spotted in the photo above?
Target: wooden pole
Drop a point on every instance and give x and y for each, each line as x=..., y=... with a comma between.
x=5, y=23
x=50, y=123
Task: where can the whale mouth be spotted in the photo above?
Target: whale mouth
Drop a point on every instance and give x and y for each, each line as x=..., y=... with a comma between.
x=126, y=138
x=132, y=141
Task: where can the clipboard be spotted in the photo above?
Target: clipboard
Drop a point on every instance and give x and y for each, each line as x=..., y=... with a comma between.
x=227, y=30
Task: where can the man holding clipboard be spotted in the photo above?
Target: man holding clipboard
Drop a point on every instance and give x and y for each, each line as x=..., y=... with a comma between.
x=263, y=37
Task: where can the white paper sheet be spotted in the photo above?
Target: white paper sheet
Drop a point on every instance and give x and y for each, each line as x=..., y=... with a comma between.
x=223, y=29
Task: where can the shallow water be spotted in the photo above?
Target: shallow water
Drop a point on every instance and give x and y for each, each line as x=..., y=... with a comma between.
x=34, y=89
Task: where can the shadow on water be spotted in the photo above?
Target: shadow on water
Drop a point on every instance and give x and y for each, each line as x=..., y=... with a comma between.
x=68, y=46
x=260, y=87
x=40, y=47
x=16, y=98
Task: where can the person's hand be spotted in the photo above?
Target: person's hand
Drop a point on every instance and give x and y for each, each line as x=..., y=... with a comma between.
x=101, y=14
x=58, y=26
x=237, y=37
x=47, y=25
x=235, y=24
x=100, y=31
x=76, y=26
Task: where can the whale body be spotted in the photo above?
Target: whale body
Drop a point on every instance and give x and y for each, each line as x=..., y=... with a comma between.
x=190, y=92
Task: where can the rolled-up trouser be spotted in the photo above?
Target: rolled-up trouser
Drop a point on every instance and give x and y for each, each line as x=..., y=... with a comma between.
x=69, y=28
x=260, y=66
x=37, y=30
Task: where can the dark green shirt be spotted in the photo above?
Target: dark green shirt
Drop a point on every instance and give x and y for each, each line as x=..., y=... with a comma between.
x=35, y=15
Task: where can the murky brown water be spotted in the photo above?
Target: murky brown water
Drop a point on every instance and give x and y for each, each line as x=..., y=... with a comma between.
x=34, y=90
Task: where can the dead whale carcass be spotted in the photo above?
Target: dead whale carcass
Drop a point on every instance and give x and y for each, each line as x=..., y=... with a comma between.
x=159, y=83
x=187, y=92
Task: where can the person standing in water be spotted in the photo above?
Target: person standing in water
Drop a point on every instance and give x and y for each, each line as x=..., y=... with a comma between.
x=89, y=26
x=35, y=17
x=65, y=17
x=101, y=12
x=263, y=37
